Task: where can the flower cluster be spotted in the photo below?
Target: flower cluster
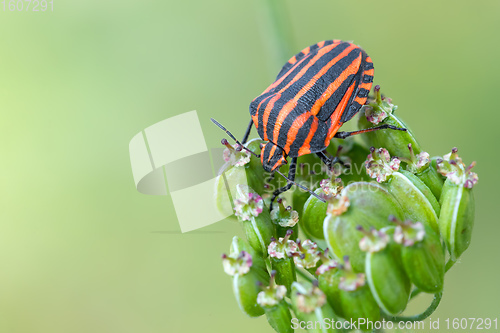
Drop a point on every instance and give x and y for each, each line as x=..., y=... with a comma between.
x=366, y=238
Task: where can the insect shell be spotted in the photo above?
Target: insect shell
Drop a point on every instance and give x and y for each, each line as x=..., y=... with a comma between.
x=315, y=92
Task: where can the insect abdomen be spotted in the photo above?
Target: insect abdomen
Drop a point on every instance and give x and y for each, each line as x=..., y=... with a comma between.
x=306, y=102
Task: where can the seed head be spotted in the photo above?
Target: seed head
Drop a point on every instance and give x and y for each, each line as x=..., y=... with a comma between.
x=282, y=248
x=237, y=263
x=418, y=162
x=272, y=294
x=247, y=204
x=338, y=205
x=408, y=233
x=350, y=280
x=307, y=254
x=373, y=241
x=331, y=187
x=379, y=109
x=379, y=164
x=452, y=167
x=286, y=217
x=327, y=263
x=312, y=299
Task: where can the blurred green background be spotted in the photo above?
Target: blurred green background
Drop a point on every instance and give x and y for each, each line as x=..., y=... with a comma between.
x=82, y=251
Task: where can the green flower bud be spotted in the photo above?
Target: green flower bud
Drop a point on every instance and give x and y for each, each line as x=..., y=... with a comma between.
x=415, y=197
x=224, y=191
x=285, y=218
x=258, y=263
x=280, y=251
x=246, y=278
x=310, y=170
x=422, y=255
x=420, y=165
x=309, y=305
x=261, y=181
x=271, y=299
x=246, y=289
x=349, y=294
x=327, y=264
x=457, y=203
x=299, y=197
x=280, y=318
x=379, y=112
x=328, y=281
x=359, y=204
x=250, y=209
x=238, y=245
x=271, y=295
x=315, y=210
x=389, y=284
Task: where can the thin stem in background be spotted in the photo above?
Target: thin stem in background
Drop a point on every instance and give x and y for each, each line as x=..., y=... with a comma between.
x=449, y=265
x=277, y=32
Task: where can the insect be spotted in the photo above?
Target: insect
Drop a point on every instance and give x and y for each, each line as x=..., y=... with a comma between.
x=316, y=91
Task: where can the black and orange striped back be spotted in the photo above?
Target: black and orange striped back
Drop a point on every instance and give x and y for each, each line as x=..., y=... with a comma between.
x=315, y=92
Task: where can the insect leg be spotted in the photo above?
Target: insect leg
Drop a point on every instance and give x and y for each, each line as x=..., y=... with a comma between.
x=291, y=181
x=290, y=178
x=330, y=162
x=343, y=135
x=247, y=132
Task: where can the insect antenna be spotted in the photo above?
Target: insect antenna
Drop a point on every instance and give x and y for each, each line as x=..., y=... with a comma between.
x=232, y=137
x=302, y=187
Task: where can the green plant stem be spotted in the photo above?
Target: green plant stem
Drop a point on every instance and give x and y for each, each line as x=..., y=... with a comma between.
x=415, y=292
x=278, y=33
x=449, y=265
x=421, y=316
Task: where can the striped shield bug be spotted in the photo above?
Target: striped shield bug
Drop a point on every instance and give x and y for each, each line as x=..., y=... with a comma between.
x=316, y=91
